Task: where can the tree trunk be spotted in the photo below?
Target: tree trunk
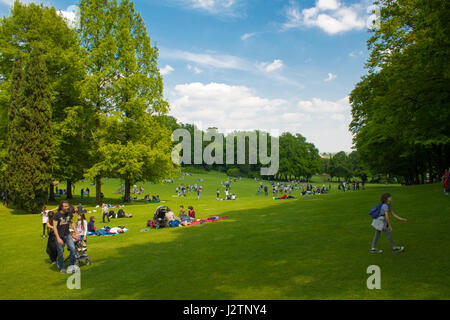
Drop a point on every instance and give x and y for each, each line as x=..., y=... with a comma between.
x=98, y=189
x=69, y=189
x=127, y=196
x=52, y=192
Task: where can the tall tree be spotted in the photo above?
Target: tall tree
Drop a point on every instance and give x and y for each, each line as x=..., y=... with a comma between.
x=401, y=108
x=27, y=27
x=134, y=144
x=97, y=31
x=30, y=135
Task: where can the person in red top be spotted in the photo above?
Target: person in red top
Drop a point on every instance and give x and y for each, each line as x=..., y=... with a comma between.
x=446, y=181
x=191, y=213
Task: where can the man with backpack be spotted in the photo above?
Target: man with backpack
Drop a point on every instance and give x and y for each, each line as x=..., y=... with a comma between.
x=381, y=222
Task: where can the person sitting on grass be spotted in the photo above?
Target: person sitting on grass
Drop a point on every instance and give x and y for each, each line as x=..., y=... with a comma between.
x=91, y=225
x=170, y=215
x=192, y=213
x=184, y=217
x=383, y=223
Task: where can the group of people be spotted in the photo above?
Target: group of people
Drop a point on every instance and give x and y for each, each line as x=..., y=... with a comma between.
x=184, y=218
x=228, y=195
x=182, y=190
x=351, y=186
x=110, y=214
x=63, y=231
x=289, y=188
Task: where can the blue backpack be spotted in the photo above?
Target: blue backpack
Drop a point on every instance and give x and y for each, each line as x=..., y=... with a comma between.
x=375, y=212
x=174, y=224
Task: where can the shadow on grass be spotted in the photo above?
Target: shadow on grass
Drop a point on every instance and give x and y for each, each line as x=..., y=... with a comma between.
x=255, y=254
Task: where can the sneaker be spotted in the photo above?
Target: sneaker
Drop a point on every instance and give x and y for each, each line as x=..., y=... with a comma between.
x=54, y=262
x=398, y=249
x=376, y=250
x=62, y=271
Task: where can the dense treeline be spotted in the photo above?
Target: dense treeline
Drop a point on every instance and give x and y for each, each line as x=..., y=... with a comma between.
x=298, y=159
x=401, y=108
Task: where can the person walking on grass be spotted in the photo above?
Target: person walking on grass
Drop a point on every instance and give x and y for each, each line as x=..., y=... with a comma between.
x=5, y=197
x=383, y=223
x=62, y=221
x=105, y=212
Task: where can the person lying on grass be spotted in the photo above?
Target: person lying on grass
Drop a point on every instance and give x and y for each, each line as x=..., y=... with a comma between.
x=383, y=223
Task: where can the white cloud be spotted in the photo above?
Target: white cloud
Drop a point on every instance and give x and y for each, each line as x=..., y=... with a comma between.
x=223, y=61
x=230, y=107
x=213, y=60
x=317, y=105
x=327, y=4
x=71, y=15
x=246, y=36
x=330, y=77
x=329, y=15
x=354, y=54
x=194, y=69
x=273, y=66
x=166, y=70
x=11, y=2
x=212, y=5
x=215, y=7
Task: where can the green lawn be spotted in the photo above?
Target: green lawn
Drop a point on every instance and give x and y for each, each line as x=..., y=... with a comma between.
x=316, y=247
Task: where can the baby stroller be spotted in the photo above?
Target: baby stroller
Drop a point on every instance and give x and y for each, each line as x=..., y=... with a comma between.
x=159, y=219
x=80, y=254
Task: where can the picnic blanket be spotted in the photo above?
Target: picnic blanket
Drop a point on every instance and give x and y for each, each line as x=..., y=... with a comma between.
x=210, y=219
x=285, y=197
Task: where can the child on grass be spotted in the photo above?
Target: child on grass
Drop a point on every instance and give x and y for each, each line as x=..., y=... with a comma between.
x=383, y=223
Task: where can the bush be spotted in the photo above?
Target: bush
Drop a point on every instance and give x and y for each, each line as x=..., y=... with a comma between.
x=234, y=172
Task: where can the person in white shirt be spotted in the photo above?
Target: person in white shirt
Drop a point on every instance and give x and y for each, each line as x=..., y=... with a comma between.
x=82, y=226
x=44, y=214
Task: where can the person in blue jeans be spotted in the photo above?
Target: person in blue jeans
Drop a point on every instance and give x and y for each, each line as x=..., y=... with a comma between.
x=62, y=221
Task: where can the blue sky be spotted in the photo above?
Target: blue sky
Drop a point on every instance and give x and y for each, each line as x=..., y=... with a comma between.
x=279, y=65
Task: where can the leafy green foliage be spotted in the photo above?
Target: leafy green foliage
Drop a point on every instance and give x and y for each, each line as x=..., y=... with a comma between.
x=401, y=109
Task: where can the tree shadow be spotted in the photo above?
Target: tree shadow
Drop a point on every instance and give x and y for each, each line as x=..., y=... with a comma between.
x=255, y=254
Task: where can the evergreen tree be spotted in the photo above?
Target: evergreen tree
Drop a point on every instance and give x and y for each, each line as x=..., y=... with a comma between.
x=29, y=173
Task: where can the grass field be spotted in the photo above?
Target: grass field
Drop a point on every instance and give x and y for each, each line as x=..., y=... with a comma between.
x=316, y=247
